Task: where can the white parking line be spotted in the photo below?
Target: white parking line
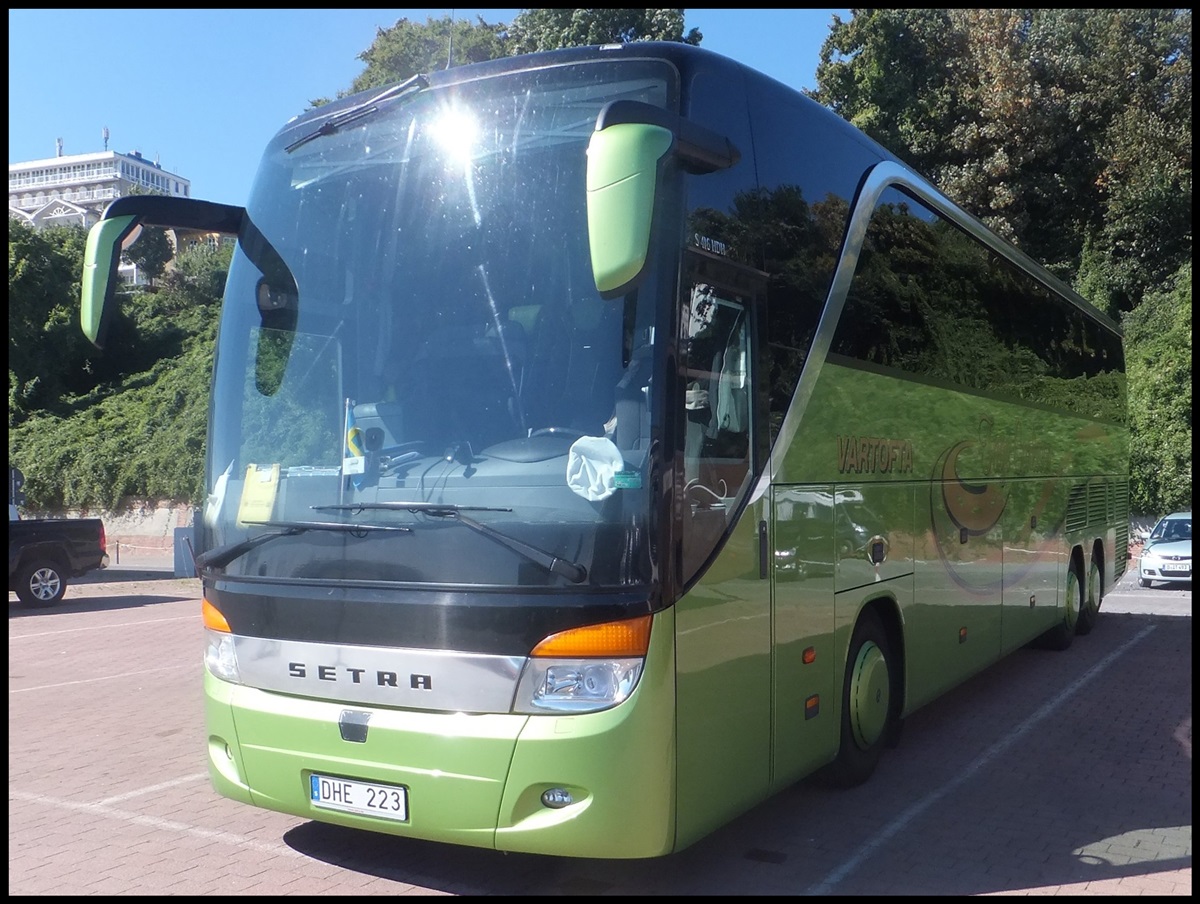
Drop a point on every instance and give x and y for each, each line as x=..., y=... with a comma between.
x=187, y=779
x=128, y=624
x=169, y=668
x=896, y=825
x=169, y=825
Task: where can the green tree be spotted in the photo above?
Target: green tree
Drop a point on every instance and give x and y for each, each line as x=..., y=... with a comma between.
x=550, y=29
x=150, y=253
x=153, y=249
x=140, y=429
x=1158, y=336
x=1069, y=132
x=47, y=354
x=408, y=48
x=1146, y=178
x=1066, y=131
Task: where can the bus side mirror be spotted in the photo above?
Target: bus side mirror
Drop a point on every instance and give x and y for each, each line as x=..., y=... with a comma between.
x=622, y=176
x=624, y=159
x=119, y=228
x=105, y=242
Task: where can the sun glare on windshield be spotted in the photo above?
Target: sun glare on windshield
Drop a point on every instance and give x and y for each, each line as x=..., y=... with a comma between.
x=455, y=131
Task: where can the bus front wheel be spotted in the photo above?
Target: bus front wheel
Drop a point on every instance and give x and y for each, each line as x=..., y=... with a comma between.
x=867, y=703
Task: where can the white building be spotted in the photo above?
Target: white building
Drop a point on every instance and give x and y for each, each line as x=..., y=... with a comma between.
x=75, y=189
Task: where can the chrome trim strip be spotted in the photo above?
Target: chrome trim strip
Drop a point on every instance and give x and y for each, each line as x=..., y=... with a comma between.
x=444, y=681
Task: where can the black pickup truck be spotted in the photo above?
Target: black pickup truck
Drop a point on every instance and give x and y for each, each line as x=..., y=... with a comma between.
x=45, y=553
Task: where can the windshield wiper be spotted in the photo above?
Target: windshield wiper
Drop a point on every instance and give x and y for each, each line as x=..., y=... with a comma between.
x=427, y=508
x=358, y=111
x=223, y=555
x=572, y=571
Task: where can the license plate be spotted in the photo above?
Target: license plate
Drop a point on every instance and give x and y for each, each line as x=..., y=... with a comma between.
x=1176, y=569
x=350, y=796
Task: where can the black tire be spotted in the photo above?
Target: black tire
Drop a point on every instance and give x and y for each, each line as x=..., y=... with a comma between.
x=41, y=582
x=869, y=704
x=1093, y=593
x=1142, y=582
x=1060, y=636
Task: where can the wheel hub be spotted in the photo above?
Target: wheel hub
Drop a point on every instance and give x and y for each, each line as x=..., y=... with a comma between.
x=870, y=695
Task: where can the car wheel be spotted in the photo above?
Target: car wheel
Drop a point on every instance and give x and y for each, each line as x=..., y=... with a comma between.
x=1142, y=582
x=41, y=583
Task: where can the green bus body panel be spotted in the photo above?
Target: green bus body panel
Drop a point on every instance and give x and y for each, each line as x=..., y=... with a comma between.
x=723, y=663
x=473, y=779
x=936, y=466
x=622, y=762
x=915, y=463
x=453, y=765
x=101, y=255
x=622, y=175
x=804, y=618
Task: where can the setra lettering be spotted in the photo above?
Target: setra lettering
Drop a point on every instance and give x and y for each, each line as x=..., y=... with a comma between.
x=355, y=675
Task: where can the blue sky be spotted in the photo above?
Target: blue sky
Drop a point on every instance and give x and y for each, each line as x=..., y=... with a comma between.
x=203, y=90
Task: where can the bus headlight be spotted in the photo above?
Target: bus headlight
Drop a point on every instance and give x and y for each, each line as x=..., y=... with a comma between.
x=584, y=669
x=575, y=685
x=220, y=658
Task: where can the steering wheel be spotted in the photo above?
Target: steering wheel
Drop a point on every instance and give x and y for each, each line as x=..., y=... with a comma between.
x=569, y=432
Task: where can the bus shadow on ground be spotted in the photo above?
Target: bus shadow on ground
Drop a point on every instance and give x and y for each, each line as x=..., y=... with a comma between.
x=84, y=603
x=127, y=574
x=426, y=864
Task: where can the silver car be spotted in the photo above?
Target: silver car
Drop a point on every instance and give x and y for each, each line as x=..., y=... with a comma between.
x=1167, y=555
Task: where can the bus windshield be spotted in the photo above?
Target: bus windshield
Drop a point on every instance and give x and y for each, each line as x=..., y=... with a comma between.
x=436, y=356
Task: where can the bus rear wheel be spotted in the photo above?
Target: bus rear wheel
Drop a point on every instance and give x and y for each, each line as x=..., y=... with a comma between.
x=868, y=715
x=1091, y=598
x=1060, y=636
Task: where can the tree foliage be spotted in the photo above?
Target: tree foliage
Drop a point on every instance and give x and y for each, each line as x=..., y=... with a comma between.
x=408, y=48
x=48, y=357
x=1067, y=131
x=137, y=425
x=151, y=252
x=551, y=29
x=1159, y=336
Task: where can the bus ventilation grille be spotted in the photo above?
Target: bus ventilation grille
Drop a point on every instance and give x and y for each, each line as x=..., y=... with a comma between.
x=1076, y=509
x=1099, y=509
x=1122, y=518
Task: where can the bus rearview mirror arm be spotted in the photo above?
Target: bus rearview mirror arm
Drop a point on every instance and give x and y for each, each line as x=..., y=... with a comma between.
x=122, y=223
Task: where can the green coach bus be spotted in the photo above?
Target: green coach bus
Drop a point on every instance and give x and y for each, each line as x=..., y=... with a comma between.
x=603, y=440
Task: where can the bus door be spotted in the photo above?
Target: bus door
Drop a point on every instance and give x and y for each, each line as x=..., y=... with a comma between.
x=722, y=619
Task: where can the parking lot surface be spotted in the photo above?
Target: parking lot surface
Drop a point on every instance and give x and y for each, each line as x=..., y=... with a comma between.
x=1048, y=774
